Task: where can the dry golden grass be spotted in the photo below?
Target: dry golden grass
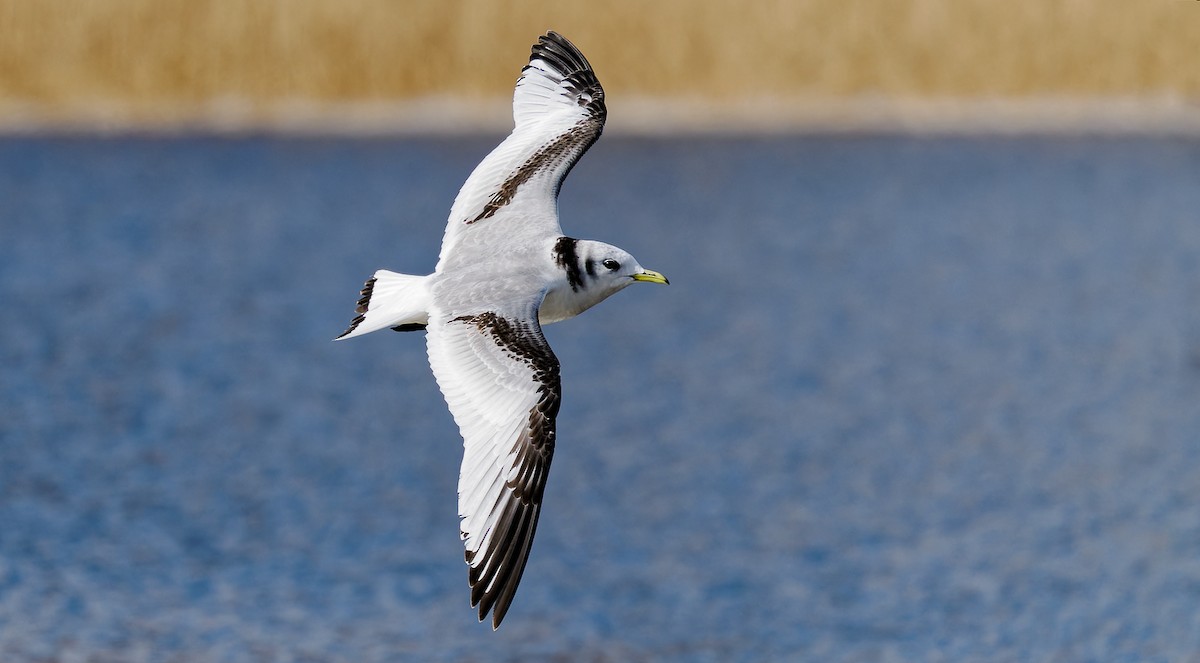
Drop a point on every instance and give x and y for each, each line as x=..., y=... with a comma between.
x=132, y=54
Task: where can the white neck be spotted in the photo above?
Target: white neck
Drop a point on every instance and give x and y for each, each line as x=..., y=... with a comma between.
x=562, y=302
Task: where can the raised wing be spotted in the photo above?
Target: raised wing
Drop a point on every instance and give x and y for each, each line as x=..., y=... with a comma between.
x=501, y=381
x=558, y=110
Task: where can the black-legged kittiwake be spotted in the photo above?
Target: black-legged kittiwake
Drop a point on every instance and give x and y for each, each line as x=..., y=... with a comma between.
x=505, y=269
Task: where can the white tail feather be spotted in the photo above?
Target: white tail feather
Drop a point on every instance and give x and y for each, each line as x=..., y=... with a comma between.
x=390, y=300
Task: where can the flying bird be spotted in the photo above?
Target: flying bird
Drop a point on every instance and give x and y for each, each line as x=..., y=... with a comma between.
x=506, y=269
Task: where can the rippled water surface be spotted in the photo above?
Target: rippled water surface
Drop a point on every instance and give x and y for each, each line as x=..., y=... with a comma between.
x=905, y=399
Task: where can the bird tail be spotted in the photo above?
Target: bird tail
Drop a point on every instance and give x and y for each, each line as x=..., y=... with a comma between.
x=388, y=299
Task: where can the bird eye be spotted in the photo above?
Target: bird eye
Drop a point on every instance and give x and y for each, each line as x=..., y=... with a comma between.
x=611, y=264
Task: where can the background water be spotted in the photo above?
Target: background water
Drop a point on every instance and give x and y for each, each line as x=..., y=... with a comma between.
x=905, y=399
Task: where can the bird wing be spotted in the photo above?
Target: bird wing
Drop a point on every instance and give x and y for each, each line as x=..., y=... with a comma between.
x=501, y=381
x=558, y=111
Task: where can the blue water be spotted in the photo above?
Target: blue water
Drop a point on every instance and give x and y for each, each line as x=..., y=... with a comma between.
x=905, y=400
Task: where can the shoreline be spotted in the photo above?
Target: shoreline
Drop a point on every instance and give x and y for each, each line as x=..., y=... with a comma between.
x=1146, y=116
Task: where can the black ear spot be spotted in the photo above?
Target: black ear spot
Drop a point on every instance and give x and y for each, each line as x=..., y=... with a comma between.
x=611, y=265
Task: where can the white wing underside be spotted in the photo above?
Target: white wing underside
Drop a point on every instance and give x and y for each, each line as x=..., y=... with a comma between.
x=501, y=382
x=511, y=198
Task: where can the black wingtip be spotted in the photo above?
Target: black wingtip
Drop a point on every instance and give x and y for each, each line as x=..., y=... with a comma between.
x=568, y=62
x=558, y=51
